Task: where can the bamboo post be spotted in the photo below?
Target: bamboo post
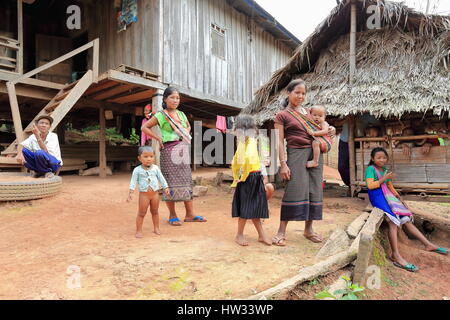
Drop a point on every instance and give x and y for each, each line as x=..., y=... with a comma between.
x=102, y=143
x=362, y=160
x=352, y=43
x=20, y=36
x=391, y=151
x=351, y=150
x=157, y=101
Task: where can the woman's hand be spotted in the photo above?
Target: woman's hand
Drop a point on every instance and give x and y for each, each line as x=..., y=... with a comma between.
x=161, y=143
x=332, y=131
x=406, y=150
x=426, y=148
x=285, y=172
x=167, y=192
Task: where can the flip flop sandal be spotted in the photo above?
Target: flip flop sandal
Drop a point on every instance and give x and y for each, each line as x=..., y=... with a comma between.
x=196, y=219
x=173, y=220
x=279, y=241
x=441, y=251
x=314, y=238
x=409, y=267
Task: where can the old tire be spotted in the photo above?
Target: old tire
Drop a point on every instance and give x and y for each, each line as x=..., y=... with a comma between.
x=28, y=190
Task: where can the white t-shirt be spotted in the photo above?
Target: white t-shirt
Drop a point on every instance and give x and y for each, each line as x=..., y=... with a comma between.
x=51, y=142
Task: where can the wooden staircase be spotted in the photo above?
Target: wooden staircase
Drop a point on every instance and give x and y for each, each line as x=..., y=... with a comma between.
x=57, y=108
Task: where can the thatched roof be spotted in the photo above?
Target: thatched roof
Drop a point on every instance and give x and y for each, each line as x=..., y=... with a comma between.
x=402, y=67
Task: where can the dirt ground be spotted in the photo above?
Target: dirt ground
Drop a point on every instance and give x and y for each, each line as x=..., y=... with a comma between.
x=89, y=227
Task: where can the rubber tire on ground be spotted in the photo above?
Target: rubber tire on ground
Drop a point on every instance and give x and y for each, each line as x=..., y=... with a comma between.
x=28, y=190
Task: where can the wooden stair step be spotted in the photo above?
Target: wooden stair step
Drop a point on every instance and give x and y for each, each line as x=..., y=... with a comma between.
x=71, y=85
x=64, y=94
x=8, y=59
x=52, y=106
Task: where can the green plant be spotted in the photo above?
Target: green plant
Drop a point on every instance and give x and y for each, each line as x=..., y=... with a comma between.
x=313, y=282
x=134, y=138
x=351, y=292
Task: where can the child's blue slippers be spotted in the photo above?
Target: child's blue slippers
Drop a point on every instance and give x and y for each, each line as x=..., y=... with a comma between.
x=175, y=222
x=196, y=219
x=410, y=267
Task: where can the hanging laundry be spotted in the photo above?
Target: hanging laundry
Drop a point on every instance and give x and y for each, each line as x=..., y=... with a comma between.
x=221, y=124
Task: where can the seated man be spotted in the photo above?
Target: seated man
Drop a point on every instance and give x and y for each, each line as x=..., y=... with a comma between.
x=40, y=152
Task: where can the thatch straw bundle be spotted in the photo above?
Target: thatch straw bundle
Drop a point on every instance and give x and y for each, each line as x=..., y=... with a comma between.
x=402, y=67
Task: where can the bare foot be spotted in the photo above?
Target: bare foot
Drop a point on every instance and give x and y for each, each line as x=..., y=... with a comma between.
x=265, y=240
x=240, y=240
x=312, y=164
x=139, y=235
x=157, y=231
x=432, y=247
x=398, y=258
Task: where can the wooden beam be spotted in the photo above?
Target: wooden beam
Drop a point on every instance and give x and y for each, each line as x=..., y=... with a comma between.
x=54, y=62
x=95, y=59
x=102, y=143
x=20, y=36
x=9, y=46
x=146, y=94
x=29, y=92
x=120, y=88
x=42, y=83
x=15, y=111
x=131, y=79
x=101, y=86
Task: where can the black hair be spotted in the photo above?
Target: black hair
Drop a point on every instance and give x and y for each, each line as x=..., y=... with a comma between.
x=245, y=125
x=290, y=87
x=143, y=149
x=374, y=152
x=168, y=92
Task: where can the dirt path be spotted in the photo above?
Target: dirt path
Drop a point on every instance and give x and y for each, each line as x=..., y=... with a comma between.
x=89, y=225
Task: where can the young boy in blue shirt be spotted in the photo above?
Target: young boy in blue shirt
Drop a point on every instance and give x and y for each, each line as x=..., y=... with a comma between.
x=149, y=178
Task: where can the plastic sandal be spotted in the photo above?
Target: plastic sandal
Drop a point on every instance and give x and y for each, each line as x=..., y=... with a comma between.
x=409, y=267
x=441, y=251
x=196, y=219
x=171, y=222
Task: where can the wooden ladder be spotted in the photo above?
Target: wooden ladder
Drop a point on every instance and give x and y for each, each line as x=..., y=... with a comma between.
x=57, y=108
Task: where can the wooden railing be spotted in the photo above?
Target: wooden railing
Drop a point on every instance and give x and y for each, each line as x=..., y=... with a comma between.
x=9, y=64
x=11, y=84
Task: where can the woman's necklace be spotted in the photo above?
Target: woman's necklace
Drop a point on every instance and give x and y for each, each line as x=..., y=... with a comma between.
x=298, y=109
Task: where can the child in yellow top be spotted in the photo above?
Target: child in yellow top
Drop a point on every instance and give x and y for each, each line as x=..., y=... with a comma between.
x=252, y=190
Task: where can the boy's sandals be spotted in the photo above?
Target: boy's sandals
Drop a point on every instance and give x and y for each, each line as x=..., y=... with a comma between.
x=409, y=267
x=174, y=222
x=196, y=219
x=279, y=241
x=441, y=251
x=314, y=238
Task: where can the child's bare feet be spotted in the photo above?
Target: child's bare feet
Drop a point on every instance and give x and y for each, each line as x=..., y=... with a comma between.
x=312, y=164
x=240, y=240
x=139, y=235
x=265, y=240
x=157, y=231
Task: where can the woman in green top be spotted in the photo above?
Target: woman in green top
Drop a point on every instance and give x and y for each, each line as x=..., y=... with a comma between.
x=175, y=155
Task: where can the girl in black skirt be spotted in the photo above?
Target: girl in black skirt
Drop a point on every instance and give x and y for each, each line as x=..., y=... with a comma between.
x=250, y=179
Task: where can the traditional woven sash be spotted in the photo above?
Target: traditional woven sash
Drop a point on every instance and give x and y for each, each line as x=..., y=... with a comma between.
x=177, y=128
x=309, y=125
x=396, y=205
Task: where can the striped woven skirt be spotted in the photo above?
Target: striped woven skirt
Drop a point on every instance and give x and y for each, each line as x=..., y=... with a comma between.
x=175, y=167
x=303, y=196
x=250, y=201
